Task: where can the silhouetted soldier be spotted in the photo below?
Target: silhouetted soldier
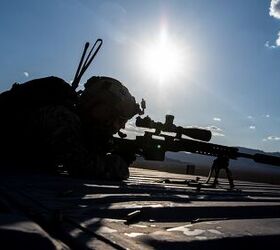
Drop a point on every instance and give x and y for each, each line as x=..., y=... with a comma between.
x=41, y=131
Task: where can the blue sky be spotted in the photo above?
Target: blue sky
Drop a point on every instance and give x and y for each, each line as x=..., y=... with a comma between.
x=212, y=64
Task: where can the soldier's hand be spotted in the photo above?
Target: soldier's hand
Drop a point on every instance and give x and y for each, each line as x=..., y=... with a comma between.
x=128, y=157
x=126, y=154
x=117, y=168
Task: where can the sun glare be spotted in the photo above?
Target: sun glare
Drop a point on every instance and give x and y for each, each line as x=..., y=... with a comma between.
x=164, y=59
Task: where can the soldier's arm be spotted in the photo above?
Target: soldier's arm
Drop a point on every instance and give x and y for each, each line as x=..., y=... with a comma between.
x=62, y=132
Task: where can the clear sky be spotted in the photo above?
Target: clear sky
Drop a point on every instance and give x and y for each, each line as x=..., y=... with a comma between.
x=213, y=64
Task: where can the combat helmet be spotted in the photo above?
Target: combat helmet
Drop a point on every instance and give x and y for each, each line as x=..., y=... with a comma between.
x=107, y=90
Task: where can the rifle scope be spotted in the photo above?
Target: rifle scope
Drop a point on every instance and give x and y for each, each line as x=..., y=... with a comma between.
x=168, y=126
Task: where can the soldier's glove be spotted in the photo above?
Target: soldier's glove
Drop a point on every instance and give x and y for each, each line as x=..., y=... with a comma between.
x=128, y=157
x=126, y=153
x=116, y=168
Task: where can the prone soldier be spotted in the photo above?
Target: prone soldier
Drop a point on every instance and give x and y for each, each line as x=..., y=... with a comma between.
x=72, y=133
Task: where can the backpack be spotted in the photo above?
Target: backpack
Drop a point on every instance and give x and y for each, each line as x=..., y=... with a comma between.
x=37, y=93
x=19, y=105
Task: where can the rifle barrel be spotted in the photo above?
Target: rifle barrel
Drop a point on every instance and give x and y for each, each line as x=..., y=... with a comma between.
x=262, y=158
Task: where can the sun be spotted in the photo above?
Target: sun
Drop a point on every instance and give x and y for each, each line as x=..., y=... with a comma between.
x=163, y=59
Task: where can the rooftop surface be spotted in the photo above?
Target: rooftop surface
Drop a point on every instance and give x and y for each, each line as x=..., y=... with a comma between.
x=151, y=210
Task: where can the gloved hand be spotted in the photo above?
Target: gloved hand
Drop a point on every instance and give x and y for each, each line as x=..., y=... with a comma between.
x=128, y=157
x=116, y=168
x=126, y=153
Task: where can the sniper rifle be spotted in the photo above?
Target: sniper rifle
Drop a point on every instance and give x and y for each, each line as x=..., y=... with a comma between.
x=154, y=145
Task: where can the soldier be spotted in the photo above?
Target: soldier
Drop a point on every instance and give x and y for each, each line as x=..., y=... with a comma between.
x=73, y=133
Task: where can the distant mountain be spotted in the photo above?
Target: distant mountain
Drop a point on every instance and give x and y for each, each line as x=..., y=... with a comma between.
x=206, y=160
x=255, y=151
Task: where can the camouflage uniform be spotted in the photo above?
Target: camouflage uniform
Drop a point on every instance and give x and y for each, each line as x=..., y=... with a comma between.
x=83, y=155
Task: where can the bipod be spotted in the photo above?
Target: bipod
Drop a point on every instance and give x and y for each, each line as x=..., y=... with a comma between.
x=218, y=164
